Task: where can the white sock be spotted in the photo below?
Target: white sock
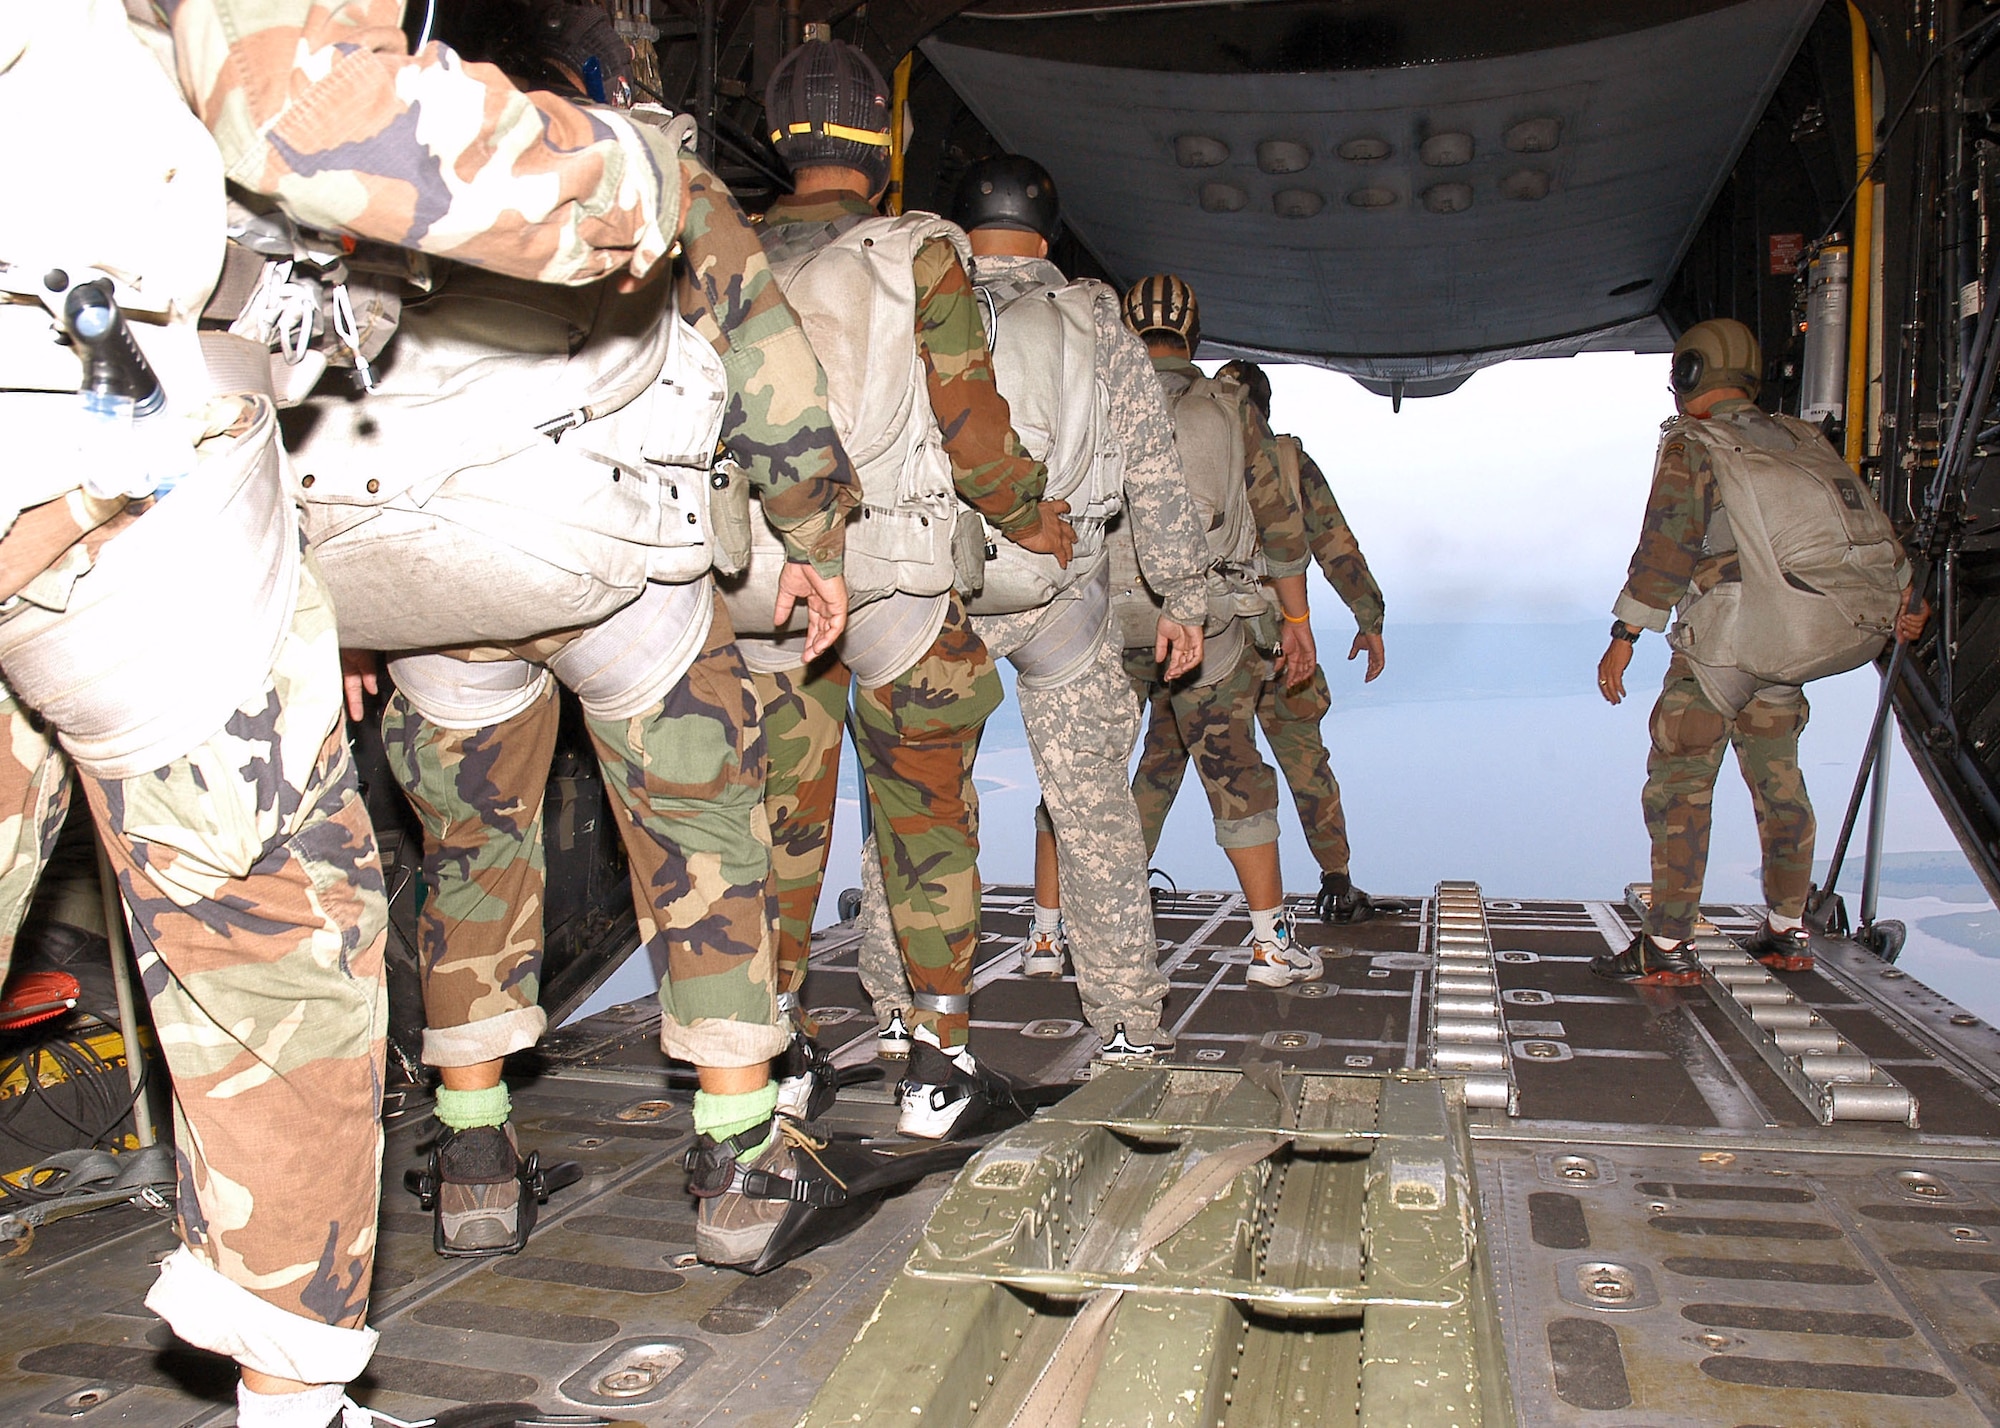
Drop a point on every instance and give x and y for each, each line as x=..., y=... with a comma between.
x=1266, y=924
x=1665, y=944
x=314, y=1408
x=1048, y=919
x=1784, y=924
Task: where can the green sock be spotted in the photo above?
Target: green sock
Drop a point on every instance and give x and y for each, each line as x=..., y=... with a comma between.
x=720, y=1117
x=466, y=1110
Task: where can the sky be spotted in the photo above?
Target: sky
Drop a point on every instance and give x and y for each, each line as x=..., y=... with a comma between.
x=1499, y=520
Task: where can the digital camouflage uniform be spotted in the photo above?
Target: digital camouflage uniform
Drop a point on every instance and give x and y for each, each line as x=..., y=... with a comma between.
x=1689, y=730
x=257, y=900
x=686, y=774
x=1291, y=718
x=918, y=734
x=1217, y=722
x=1080, y=733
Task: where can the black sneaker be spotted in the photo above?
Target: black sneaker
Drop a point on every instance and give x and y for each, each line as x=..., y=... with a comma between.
x=1648, y=964
x=1340, y=901
x=1782, y=951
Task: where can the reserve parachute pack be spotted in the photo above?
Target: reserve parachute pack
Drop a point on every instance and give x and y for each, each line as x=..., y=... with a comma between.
x=1822, y=572
x=856, y=298
x=1044, y=341
x=530, y=457
x=1208, y=435
x=191, y=595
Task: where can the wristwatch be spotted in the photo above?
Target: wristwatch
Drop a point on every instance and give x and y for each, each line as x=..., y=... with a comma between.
x=1622, y=631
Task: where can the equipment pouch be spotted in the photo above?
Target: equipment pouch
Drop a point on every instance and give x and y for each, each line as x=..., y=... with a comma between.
x=729, y=516
x=968, y=555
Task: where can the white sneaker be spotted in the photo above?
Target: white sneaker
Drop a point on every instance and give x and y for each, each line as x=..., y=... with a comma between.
x=943, y=1089
x=1283, y=960
x=1149, y=1044
x=1044, y=954
x=892, y=1042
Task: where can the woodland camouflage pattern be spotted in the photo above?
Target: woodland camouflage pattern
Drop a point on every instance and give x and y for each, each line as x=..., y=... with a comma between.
x=988, y=467
x=1216, y=722
x=321, y=106
x=686, y=778
x=1335, y=548
x=258, y=915
x=1689, y=734
x=918, y=736
x=1290, y=719
x=1281, y=531
x=1670, y=561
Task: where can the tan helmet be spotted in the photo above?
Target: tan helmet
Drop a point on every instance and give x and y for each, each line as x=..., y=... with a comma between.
x=1163, y=303
x=1720, y=352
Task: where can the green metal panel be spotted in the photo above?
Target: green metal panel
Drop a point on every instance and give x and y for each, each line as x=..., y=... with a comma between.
x=1333, y=1282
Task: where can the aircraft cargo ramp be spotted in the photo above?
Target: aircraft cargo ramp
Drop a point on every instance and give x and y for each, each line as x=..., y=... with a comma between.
x=1735, y=1204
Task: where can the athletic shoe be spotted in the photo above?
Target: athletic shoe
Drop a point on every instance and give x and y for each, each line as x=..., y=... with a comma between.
x=942, y=1093
x=893, y=1040
x=741, y=1202
x=1148, y=1043
x=1045, y=953
x=1782, y=951
x=478, y=1191
x=1646, y=963
x=807, y=1081
x=469, y=1415
x=1283, y=960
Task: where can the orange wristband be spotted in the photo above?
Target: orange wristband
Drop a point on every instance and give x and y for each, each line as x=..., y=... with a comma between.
x=1296, y=619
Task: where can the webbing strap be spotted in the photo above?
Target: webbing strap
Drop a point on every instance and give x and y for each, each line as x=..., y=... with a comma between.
x=1058, y=1396
x=875, y=138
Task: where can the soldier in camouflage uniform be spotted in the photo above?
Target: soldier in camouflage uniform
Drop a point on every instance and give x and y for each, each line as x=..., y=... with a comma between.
x=1216, y=712
x=243, y=853
x=1685, y=548
x=917, y=732
x=685, y=773
x=1291, y=716
x=1082, y=717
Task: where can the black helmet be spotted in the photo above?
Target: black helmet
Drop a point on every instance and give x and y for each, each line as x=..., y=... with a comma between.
x=1256, y=382
x=827, y=104
x=1165, y=304
x=1010, y=191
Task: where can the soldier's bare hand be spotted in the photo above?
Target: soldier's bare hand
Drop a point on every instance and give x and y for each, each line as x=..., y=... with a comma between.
x=1177, y=649
x=826, y=605
x=360, y=675
x=1910, y=623
x=1378, y=657
x=1611, y=671
x=1298, y=653
x=1051, y=535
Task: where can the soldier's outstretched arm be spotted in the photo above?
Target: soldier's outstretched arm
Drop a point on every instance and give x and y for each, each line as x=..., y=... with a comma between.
x=777, y=423
x=320, y=105
x=1337, y=551
x=992, y=472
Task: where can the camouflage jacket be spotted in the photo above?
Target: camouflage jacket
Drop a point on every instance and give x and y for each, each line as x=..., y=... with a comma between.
x=1673, y=557
x=988, y=467
x=1281, y=528
x=1335, y=548
x=348, y=139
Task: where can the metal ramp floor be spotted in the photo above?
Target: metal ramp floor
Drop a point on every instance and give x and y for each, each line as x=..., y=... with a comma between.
x=1676, y=1239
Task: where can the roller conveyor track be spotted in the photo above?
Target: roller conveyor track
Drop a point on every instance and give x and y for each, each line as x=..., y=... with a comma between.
x=1467, y=1035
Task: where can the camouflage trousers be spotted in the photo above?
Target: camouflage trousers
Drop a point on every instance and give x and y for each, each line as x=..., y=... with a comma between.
x=1080, y=736
x=1290, y=719
x=1217, y=723
x=256, y=907
x=686, y=778
x=1689, y=734
x=918, y=736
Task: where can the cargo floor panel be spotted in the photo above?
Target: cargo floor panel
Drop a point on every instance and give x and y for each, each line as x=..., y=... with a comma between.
x=1673, y=1238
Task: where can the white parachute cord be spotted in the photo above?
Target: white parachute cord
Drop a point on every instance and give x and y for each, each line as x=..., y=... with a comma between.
x=430, y=14
x=280, y=310
x=349, y=332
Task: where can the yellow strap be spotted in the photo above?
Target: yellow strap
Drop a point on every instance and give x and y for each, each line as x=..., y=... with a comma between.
x=874, y=138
